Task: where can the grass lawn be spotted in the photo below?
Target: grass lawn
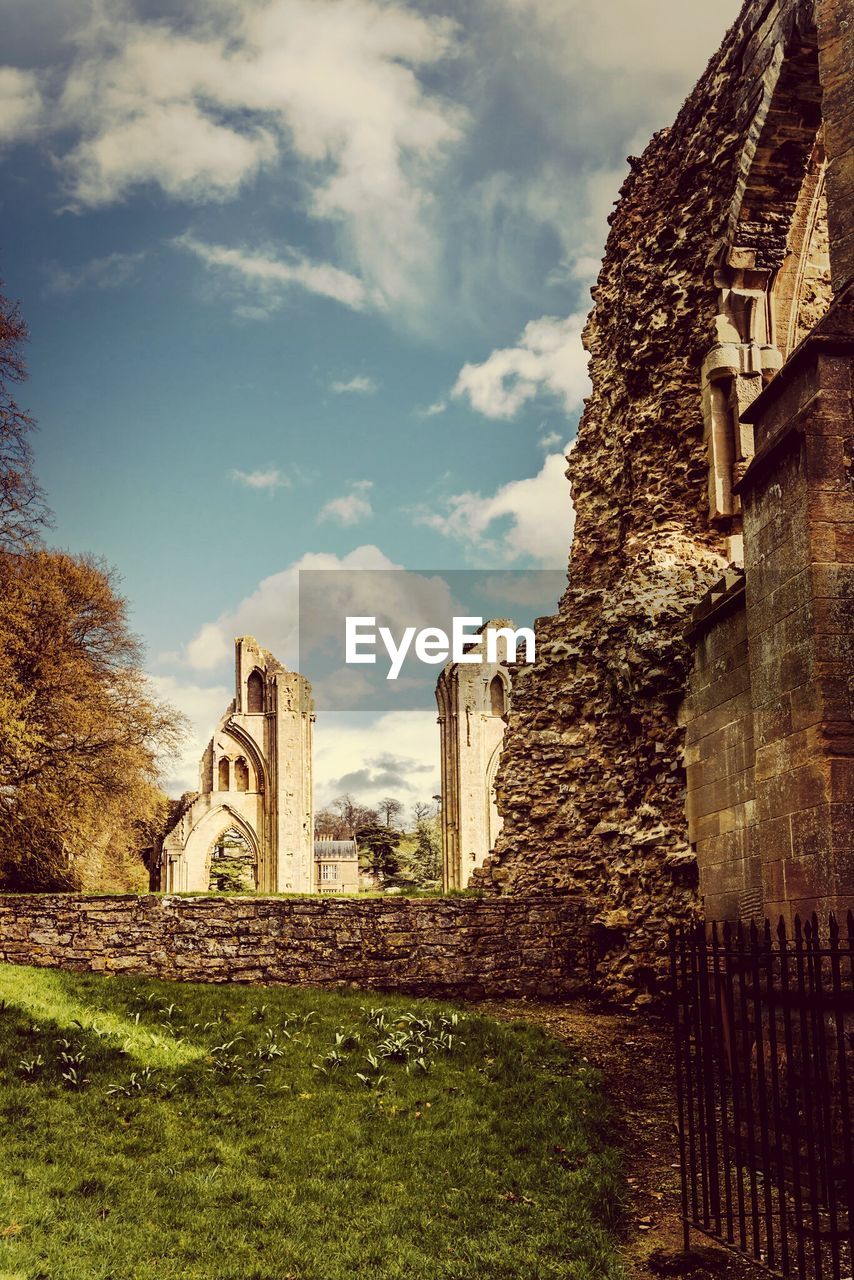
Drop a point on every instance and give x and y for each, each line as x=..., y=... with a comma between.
x=156, y=1130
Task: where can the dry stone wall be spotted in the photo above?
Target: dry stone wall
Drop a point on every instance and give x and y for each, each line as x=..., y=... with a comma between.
x=592, y=781
x=451, y=947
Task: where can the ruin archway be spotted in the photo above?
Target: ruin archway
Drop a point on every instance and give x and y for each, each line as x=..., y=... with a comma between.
x=233, y=863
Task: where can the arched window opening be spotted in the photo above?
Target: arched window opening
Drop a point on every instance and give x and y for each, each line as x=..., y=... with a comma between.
x=233, y=865
x=255, y=692
x=222, y=774
x=497, y=696
x=241, y=774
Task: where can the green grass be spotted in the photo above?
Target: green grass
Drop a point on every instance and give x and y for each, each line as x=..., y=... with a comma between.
x=163, y=1130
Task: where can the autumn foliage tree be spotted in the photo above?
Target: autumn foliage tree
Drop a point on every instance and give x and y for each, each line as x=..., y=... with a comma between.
x=80, y=733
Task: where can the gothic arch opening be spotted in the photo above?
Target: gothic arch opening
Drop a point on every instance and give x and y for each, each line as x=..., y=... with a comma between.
x=233, y=864
x=497, y=696
x=255, y=692
x=223, y=774
x=241, y=774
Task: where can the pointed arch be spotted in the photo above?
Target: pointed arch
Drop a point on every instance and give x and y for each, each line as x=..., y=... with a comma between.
x=777, y=151
x=217, y=822
x=255, y=692
x=250, y=748
x=498, y=695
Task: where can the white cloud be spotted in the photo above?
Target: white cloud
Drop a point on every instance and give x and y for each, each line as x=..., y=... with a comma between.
x=529, y=519
x=647, y=36
x=549, y=358
x=271, y=612
x=432, y=410
x=21, y=105
x=203, y=706
x=273, y=276
x=353, y=753
x=360, y=385
x=109, y=272
x=351, y=507
x=266, y=480
x=200, y=111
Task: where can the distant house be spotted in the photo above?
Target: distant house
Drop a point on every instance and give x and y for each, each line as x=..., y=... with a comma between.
x=336, y=865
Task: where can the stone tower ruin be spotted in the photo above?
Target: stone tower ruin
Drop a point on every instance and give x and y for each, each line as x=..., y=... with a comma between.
x=473, y=701
x=255, y=780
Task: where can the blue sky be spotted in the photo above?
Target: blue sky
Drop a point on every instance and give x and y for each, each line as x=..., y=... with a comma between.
x=305, y=281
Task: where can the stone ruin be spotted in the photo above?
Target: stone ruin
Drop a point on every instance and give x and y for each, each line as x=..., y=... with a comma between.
x=714, y=457
x=255, y=786
x=473, y=701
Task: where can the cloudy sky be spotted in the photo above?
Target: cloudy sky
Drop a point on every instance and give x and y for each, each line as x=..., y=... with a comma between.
x=305, y=280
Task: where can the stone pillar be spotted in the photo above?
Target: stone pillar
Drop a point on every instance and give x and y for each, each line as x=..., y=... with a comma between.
x=798, y=501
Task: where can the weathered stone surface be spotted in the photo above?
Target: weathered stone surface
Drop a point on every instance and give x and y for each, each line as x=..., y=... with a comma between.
x=529, y=945
x=716, y=265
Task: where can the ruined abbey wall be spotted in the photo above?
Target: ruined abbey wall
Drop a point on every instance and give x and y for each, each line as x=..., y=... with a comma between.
x=592, y=780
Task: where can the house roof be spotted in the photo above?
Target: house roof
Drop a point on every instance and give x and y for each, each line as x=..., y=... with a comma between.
x=334, y=850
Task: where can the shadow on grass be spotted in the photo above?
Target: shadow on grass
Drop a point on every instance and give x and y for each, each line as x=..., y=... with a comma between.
x=72, y=1005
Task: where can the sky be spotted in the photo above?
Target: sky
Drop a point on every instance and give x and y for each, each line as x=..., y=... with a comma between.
x=305, y=281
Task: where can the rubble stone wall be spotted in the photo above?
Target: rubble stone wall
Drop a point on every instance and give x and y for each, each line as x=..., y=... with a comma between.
x=592, y=780
x=451, y=947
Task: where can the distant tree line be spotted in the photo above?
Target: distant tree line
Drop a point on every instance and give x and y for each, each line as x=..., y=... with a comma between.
x=393, y=852
x=81, y=735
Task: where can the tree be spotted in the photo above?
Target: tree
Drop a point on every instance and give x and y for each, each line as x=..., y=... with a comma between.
x=426, y=858
x=81, y=737
x=232, y=865
x=390, y=808
x=353, y=815
x=380, y=846
x=23, y=513
x=420, y=812
x=327, y=823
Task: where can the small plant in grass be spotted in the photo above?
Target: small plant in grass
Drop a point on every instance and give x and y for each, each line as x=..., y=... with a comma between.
x=75, y=1078
x=138, y=1083
x=270, y=1049
x=31, y=1068
x=373, y=1078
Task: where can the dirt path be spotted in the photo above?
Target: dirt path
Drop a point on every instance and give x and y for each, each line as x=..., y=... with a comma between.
x=635, y=1055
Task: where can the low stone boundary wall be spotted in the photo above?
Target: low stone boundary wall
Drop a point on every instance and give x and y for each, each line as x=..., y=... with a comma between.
x=463, y=947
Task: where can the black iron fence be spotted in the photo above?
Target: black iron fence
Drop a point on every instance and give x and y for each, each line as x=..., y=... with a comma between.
x=765, y=1067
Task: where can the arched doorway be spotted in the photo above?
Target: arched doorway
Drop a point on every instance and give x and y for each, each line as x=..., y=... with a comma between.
x=233, y=864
